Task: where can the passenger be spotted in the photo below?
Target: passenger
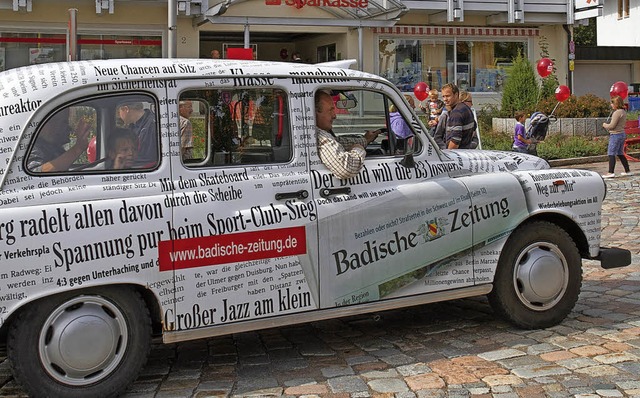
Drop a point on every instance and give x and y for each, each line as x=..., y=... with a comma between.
x=399, y=125
x=461, y=125
x=185, y=109
x=344, y=156
x=49, y=154
x=143, y=123
x=121, y=149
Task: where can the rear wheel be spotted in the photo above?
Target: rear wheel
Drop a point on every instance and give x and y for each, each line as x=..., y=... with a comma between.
x=90, y=343
x=539, y=276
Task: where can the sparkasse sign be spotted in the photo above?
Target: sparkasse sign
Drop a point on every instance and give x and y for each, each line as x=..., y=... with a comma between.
x=320, y=3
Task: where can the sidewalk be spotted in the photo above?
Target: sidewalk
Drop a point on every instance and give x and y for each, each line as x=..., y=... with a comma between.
x=595, y=163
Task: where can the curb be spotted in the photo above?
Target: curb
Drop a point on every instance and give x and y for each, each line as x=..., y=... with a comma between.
x=587, y=159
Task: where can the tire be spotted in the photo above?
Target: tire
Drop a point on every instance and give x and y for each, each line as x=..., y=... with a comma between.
x=89, y=343
x=538, y=278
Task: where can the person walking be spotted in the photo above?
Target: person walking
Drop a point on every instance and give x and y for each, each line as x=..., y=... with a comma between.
x=616, y=137
x=520, y=141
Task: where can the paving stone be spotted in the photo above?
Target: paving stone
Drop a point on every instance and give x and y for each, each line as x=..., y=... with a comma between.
x=414, y=369
x=599, y=370
x=425, y=382
x=539, y=371
x=501, y=354
x=388, y=385
x=335, y=371
x=306, y=389
x=577, y=363
x=347, y=384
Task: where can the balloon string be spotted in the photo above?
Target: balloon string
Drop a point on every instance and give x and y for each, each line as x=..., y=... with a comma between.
x=554, y=108
x=610, y=113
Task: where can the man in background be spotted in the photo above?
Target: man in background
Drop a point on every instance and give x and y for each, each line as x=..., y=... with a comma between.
x=461, y=124
x=186, y=129
x=143, y=124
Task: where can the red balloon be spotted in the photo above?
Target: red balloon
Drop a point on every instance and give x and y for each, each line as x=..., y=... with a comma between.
x=421, y=91
x=91, y=150
x=562, y=93
x=545, y=67
x=619, y=89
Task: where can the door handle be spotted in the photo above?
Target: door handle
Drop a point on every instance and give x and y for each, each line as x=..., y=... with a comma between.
x=301, y=194
x=326, y=192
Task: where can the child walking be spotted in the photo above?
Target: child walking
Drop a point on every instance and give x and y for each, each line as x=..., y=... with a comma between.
x=520, y=141
x=616, y=137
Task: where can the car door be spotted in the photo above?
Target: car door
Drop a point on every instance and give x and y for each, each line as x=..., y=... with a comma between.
x=241, y=205
x=387, y=231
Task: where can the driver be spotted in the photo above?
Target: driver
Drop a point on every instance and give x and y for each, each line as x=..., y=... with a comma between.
x=49, y=153
x=344, y=156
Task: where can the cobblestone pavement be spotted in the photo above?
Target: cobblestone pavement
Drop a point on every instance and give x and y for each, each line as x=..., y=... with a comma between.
x=453, y=349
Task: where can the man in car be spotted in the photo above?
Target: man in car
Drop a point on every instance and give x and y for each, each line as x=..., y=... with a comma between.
x=344, y=156
x=143, y=123
x=49, y=154
x=461, y=124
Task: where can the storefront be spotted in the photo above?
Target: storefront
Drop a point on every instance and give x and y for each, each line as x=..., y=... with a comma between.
x=475, y=58
x=19, y=49
x=404, y=41
x=38, y=33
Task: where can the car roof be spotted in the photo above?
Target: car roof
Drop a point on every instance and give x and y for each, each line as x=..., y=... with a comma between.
x=27, y=89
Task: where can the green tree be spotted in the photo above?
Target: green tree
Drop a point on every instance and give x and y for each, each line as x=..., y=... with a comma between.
x=586, y=35
x=521, y=90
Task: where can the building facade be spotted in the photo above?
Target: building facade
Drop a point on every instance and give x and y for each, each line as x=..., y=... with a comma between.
x=468, y=42
x=617, y=56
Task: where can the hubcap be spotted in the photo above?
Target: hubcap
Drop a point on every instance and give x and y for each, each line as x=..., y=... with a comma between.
x=83, y=340
x=541, y=276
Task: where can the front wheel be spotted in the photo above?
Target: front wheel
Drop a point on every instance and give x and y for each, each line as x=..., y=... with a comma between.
x=90, y=343
x=539, y=276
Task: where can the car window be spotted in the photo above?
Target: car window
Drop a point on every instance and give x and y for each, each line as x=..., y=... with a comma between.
x=114, y=133
x=358, y=111
x=236, y=126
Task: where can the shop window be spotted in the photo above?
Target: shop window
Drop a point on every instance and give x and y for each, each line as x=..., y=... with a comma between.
x=239, y=126
x=326, y=53
x=115, y=134
x=20, y=49
x=479, y=66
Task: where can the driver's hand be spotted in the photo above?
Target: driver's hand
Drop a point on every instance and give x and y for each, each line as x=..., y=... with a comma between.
x=371, y=135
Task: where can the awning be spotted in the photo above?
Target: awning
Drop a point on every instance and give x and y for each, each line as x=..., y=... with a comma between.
x=436, y=31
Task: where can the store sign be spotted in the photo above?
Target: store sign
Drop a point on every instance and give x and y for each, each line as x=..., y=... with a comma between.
x=580, y=4
x=320, y=3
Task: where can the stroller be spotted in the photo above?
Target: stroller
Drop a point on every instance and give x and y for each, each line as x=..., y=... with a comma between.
x=536, y=130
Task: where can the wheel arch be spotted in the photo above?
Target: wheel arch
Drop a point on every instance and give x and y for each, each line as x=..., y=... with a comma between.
x=149, y=298
x=567, y=224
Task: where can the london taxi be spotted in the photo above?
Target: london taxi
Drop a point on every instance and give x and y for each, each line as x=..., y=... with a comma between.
x=230, y=222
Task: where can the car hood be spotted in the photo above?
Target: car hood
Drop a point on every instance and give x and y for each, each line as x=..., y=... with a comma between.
x=470, y=161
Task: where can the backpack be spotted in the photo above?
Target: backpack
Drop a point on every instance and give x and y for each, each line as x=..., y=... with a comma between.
x=538, y=126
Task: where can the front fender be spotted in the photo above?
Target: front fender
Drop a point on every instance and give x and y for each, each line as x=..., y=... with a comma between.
x=576, y=194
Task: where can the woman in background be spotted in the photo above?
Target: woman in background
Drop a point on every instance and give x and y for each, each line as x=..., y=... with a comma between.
x=616, y=137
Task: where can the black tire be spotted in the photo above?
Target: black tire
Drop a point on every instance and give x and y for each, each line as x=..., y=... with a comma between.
x=538, y=278
x=88, y=343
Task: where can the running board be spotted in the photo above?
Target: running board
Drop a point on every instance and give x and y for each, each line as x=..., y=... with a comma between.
x=321, y=315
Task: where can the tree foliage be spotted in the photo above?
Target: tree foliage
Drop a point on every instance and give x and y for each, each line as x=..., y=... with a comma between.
x=586, y=35
x=521, y=90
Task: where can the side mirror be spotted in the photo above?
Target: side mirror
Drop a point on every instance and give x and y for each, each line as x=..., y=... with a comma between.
x=408, y=161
